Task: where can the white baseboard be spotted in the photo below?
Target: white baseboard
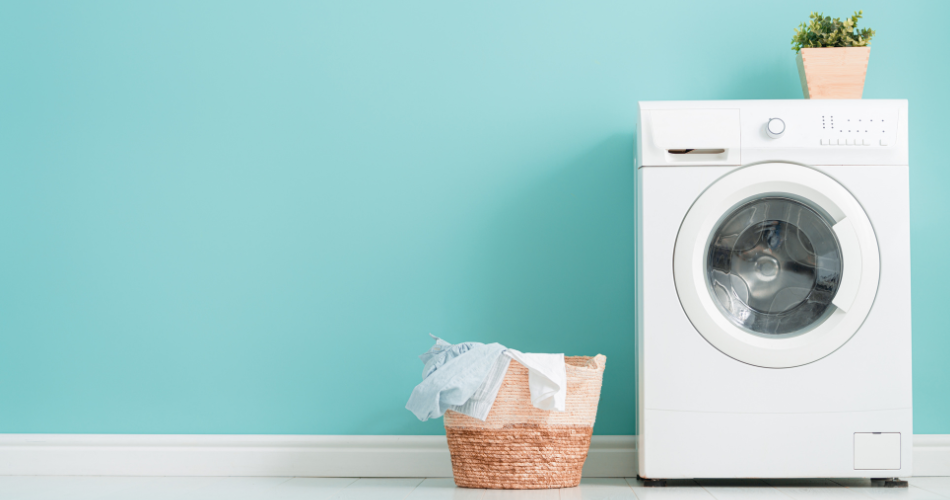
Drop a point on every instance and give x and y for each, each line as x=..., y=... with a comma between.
x=931, y=455
x=224, y=455
x=313, y=456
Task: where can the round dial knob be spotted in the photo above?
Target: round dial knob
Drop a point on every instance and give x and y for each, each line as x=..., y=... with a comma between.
x=775, y=128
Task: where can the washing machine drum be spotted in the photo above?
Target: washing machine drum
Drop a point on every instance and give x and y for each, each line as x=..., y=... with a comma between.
x=776, y=265
x=773, y=266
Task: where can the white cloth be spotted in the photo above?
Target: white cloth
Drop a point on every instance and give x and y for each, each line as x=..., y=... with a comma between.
x=547, y=378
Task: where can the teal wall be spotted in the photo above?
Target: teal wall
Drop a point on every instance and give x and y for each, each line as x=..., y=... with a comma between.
x=246, y=217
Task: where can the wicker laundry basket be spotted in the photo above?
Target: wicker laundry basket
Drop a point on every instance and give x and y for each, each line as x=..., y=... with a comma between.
x=522, y=447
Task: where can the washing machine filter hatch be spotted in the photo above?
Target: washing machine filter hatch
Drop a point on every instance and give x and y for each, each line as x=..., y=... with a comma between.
x=773, y=266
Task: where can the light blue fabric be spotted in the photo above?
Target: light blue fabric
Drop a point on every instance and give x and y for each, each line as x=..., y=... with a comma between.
x=479, y=405
x=453, y=373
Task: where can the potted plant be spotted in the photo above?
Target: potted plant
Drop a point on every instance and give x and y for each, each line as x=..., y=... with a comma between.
x=832, y=56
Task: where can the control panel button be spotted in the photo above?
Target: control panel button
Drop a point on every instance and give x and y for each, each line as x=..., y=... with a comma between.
x=825, y=142
x=850, y=142
x=883, y=142
x=775, y=128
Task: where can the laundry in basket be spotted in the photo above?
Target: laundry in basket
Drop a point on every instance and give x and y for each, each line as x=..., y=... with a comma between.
x=539, y=420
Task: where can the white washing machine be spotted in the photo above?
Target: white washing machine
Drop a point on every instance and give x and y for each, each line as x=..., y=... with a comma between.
x=773, y=289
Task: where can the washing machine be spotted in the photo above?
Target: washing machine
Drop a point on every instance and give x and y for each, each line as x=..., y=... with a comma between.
x=773, y=289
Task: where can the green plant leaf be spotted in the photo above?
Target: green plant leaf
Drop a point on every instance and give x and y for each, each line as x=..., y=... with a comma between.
x=823, y=31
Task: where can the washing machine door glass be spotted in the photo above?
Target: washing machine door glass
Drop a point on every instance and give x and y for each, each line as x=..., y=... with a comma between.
x=776, y=265
x=773, y=266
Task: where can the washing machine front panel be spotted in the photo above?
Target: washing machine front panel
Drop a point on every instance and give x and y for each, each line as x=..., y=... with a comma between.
x=776, y=265
x=704, y=396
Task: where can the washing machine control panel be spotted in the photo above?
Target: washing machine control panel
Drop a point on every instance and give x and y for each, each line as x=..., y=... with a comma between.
x=810, y=132
x=873, y=126
x=857, y=129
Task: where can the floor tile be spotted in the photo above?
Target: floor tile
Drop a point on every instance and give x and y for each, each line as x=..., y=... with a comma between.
x=71, y=487
x=865, y=487
x=599, y=489
x=45, y=488
x=444, y=489
x=814, y=489
x=96, y=487
x=277, y=488
x=675, y=489
x=550, y=494
x=740, y=489
x=938, y=485
x=235, y=488
x=161, y=488
x=13, y=486
x=310, y=488
x=378, y=489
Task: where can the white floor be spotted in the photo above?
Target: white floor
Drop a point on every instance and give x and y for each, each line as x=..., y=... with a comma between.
x=299, y=488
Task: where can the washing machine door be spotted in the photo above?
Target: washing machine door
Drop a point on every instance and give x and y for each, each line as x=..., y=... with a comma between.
x=776, y=265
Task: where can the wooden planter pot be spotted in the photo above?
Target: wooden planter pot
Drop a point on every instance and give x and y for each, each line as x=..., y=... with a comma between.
x=833, y=72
